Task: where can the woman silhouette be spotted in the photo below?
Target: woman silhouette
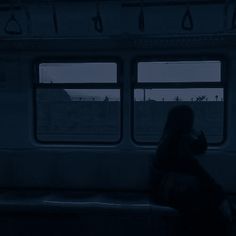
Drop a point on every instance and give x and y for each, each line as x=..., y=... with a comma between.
x=181, y=182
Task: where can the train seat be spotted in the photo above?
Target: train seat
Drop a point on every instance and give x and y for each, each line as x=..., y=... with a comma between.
x=31, y=212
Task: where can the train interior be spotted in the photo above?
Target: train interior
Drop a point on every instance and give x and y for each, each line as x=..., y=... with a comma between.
x=85, y=87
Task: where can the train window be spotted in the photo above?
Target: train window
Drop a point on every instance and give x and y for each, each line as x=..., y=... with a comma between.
x=78, y=102
x=92, y=72
x=162, y=85
x=179, y=71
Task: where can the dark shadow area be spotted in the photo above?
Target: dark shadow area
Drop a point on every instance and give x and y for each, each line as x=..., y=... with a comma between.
x=181, y=182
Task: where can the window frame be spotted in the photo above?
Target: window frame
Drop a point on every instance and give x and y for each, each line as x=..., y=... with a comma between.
x=118, y=85
x=179, y=85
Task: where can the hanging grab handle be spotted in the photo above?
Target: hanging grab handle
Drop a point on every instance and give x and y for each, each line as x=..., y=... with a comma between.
x=27, y=15
x=234, y=19
x=187, y=21
x=97, y=20
x=141, y=17
x=54, y=15
x=12, y=26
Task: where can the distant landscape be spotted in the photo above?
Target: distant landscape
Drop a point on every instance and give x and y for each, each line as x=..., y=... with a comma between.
x=100, y=120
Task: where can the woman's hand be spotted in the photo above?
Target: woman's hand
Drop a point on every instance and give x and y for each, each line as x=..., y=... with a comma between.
x=199, y=142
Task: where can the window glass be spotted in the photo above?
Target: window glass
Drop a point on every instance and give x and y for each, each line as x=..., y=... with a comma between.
x=66, y=112
x=179, y=71
x=150, y=111
x=78, y=115
x=104, y=72
x=151, y=105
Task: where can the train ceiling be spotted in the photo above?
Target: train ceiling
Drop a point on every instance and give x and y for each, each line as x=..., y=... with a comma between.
x=147, y=2
x=16, y=25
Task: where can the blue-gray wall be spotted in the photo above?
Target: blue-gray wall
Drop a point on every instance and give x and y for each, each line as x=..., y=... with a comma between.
x=24, y=162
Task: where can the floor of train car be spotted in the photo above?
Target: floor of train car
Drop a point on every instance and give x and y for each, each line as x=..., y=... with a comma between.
x=232, y=199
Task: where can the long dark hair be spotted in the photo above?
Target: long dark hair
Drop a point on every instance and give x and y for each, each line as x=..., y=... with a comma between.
x=180, y=120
